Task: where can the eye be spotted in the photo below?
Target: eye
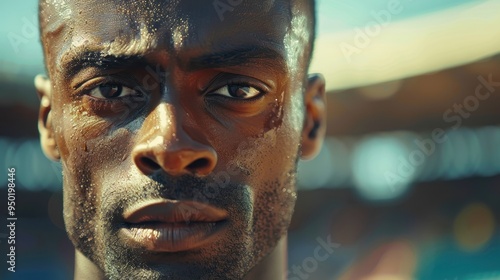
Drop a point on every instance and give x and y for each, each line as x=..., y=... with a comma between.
x=237, y=91
x=109, y=91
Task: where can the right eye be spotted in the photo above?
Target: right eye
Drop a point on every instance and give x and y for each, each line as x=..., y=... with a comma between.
x=111, y=91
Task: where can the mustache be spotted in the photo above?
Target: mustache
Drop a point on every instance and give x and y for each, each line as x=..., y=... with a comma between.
x=225, y=192
x=189, y=186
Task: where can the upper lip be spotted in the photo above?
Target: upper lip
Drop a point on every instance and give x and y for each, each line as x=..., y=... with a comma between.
x=173, y=211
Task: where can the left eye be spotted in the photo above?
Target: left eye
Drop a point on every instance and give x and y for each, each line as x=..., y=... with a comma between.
x=111, y=91
x=237, y=91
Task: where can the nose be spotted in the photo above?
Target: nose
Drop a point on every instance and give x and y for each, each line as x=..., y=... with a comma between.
x=164, y=146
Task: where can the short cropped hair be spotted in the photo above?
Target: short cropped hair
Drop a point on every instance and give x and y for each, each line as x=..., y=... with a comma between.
x=312, y=4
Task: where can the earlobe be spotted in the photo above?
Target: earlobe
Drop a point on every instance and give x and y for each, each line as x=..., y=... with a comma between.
x=44, y=90
x=314, y=129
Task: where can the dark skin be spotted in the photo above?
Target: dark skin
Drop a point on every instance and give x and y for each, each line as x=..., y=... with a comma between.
x=163, y=100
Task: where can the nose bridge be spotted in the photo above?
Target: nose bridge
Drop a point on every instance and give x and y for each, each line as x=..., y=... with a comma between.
x=167, y=130
x=165, y=121
x=164, y=145
x=159, y=126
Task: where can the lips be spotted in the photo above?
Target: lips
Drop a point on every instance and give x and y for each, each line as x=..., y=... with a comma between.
x=171, y=225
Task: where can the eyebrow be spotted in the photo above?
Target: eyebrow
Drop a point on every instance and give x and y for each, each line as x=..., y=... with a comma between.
x=243, y=56
x=84, y=59
x=236, y=57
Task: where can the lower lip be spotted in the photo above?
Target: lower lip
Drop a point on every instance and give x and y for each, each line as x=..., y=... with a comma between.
x=172, y=237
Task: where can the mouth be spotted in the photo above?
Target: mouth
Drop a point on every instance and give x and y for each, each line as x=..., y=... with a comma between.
x=172, y=226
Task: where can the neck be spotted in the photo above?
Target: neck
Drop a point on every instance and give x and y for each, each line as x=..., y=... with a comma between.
x=271, y=267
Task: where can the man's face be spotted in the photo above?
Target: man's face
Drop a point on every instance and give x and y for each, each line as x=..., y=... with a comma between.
x=178, y=125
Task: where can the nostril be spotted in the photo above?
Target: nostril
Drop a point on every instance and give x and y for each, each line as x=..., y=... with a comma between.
x=198, y=164
x=150, y=164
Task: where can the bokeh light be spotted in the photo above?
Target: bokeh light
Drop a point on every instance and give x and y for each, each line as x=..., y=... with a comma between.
x=474, y=227
x=393, y=260
x=379, y=167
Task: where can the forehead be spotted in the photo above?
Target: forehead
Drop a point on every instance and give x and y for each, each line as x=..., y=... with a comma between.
x=132, y=27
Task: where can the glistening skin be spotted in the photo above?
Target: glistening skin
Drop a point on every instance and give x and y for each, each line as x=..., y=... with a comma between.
x=130, y=171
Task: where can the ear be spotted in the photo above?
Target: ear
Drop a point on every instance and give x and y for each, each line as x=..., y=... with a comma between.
x=44, y=90
x=314, y=129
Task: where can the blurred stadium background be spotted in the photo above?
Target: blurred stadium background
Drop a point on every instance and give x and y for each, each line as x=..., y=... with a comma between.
x=408, y=181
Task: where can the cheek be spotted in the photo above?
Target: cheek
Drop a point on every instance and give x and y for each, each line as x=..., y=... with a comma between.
x=270, y=155
x=90, y=143
x=89, y=149
x=264, y=148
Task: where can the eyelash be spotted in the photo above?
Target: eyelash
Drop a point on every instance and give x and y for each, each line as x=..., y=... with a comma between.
x=105, y=105
x=237, y=82
x=208, y=93
x=88, y=86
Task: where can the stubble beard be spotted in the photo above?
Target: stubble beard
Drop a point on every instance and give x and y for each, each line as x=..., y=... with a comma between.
x=252, y=241
x=252, y=237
